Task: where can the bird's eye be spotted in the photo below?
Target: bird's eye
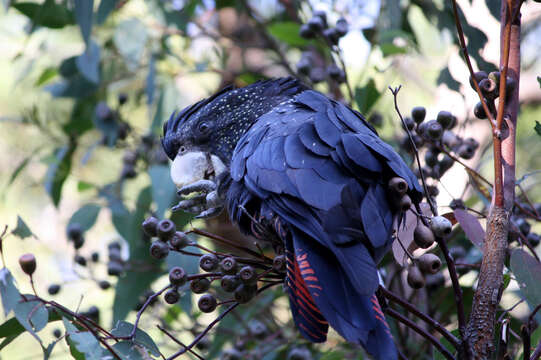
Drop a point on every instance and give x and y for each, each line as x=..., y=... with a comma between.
x=182, y=150
x=203, y=127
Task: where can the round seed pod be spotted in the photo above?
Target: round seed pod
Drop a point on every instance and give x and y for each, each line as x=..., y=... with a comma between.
x=122, y=98
x=445, y=118
x=398, y=185
x=57, y=333
x=421, y=129
x=104, y=284
x=445, y=164
x=472, y=142
x=229, y=283
x=331, y=35
x=489, y=89
x=418, y=114
x=53, y=289
x=171, y=296
x=457, y=252
x=433, y=282
x=376, y=119
x=465, y=151
x=229, y=265
x=114, y=268
x=177, y=276
x=303, y=66
x=317, y=74
x=457, y=204
x=305, y=32
x=415, y=278
x=95, y=256
x=245, y=293
x=28, y=263
x=321, y=14
x=433, y=130
x=199, y=286
x=208, y=262
x=248, y=275
x=405, y=203
x=423, y=236
x=431, y=158
x=165, y=229
x=479, y=111
x=533, y=239
x=433, y=191
x=81, y=260
x=336, y=73
x=279, y=263
x=79, y=242
x=179, y=240
x=316, y=24
x=207, y=303
x=523, y=225
x=150, y=226
x=449, y=139
x=74, y=231
x=429, y=263
x=408, y=123
x=341, y=27
x=159, y=250
x=441, y=226
x=480, y=75
x=115, y=255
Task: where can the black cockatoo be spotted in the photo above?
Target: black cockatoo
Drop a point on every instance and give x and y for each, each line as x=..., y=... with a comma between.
x=312, y=172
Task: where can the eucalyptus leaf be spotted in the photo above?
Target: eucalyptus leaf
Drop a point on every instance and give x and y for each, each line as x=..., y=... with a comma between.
x=366, y=96
x=58, y=172
x=83, y=14
x=287, y=32
x=88, y=63
x=84, y=342
x=8, y=291
x=130, y=37
x=22, y=230
x=123, y=328
x=163, y=189
x=105, y=8
x=86, y=216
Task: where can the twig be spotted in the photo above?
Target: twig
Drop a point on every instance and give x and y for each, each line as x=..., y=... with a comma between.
x=428, y=198
x=179, y=342
x=410, y=324
x=412, y=309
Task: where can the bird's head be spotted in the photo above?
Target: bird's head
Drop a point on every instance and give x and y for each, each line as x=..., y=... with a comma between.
x=202, y=137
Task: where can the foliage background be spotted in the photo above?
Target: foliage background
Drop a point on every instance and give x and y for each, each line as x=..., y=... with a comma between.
x=63, y=61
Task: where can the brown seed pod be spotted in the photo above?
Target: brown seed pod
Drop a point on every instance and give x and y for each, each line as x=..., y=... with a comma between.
x=229, y=265
x=165, y=229
x=208, y=262
x=398, y=185
x=415, y=278
x=171, y=296
x=248, y=275
x=150, y=226
x=177, y=276
x=480, y=75
x=423, y=236
x=405, y=203
x=28, y=263
x=245, y=293
x=199, y=286
x=429, y=263
x=207, y=303
x=279, y=263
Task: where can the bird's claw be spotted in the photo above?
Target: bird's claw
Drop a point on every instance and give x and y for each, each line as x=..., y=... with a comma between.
x=210, y=213
x=204, y=186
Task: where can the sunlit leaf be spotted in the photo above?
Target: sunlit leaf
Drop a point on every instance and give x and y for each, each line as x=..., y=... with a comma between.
x=163, y=189
x=32, y=315
x=86, y=216
x=366, y=96
x=537, y=127
x=471, y=226
x=46, y=75
x=88, y=63
x=105, y=8
x=8, y=291
x=22, y=230
x=48, y=14
x=287, y=32
x=130, y=38
x=83, y=14
x=84, y=342
x=58, y=171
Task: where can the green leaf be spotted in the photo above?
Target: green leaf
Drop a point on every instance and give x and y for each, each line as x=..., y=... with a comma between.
x=12, y=327
x=86, y=216
x=32, y=315
x=81, y=116
x=527, y=271
x=287, y=32
x=539, y=80
x=105, y=8
x=124, y=328
x=49, y=14
x=84, y=342
x=83, y=14
x=446, y=78
x=366, y=96
x=151, y=81
x=58, y=172
x=389, y=49
x=537, y=127
x=18, y=170
x=22, y=230
x=8, y=291
x=130, y=38
x=332, y=355
x=88, y=63
x=163, y=189
x=46, y=75
x=83, y=186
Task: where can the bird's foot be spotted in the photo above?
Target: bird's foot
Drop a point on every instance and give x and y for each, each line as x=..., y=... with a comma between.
x=206, y=204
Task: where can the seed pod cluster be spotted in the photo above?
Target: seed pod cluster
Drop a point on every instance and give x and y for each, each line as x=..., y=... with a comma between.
x=115, y=265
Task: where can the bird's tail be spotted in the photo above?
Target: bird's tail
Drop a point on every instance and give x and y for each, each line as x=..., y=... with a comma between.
x=320, y=295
